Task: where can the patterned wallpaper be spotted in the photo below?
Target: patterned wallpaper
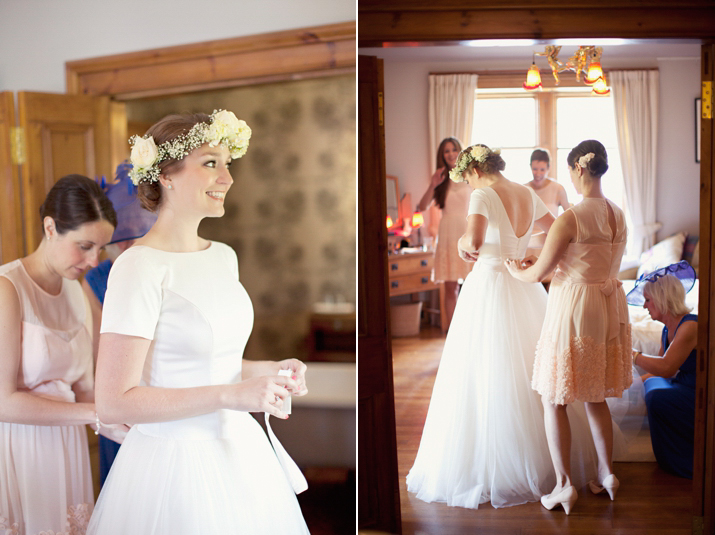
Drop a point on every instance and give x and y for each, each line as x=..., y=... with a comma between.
x=290, y=214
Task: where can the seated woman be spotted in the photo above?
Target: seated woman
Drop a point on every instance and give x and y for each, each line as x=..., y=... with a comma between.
x=670, y=383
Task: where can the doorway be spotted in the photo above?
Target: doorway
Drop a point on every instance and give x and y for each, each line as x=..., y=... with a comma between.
x=440, y=26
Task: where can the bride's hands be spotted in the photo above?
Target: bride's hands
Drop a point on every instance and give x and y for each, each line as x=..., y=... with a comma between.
x=261, y=394
x=468, y=256
x=298, y=370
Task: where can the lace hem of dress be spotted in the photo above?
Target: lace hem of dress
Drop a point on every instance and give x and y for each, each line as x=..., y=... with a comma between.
x=6, y=529
x=584, y=371
x=77, y=522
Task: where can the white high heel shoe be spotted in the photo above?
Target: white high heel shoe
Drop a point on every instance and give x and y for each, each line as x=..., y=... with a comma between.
x=567, y=497
x=610, y=484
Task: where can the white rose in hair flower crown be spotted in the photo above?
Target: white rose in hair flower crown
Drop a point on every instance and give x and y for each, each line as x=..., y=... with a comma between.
x=583, y=160
x=478, y=153
x=223, y=129
x=144, y=153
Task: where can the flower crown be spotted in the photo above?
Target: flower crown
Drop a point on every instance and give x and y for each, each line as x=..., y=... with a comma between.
x=223, y=129
x=477, y=153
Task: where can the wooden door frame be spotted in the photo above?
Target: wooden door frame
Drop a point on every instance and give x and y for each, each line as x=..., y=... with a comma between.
x=11, y=236
x=378, y=488
x=422, y=22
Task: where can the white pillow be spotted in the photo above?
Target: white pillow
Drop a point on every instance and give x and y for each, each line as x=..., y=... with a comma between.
x=662, y=254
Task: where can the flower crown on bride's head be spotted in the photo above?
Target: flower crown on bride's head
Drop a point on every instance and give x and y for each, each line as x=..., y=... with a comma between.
x=223, y=129
x=476, y=153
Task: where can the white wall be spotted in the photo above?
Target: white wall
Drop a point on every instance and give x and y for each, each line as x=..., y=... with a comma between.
x=407, y=145
x=678, y=194
x=37, y=37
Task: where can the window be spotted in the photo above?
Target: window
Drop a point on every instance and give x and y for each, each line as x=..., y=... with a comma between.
x=518, y=122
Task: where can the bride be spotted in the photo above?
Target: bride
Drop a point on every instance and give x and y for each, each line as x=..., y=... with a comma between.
x=484, y=438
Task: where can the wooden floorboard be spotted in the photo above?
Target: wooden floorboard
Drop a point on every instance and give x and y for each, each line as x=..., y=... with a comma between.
x=649, y=501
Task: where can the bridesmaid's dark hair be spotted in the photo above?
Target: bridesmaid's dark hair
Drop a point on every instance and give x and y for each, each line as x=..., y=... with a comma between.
x=440, y=192
x=75, y=200
x=598, y=164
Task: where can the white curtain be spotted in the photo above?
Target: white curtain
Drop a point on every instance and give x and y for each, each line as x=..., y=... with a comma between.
x=635, y=96
x=451, y=109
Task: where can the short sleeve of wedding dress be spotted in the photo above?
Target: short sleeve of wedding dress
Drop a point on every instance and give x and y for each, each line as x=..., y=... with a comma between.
x=133, y=299
x=479, y=203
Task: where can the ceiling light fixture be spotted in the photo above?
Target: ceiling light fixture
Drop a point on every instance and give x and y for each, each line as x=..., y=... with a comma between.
x=586, y=60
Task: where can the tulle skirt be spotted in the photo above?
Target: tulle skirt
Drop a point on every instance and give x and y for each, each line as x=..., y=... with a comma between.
x=192, y=484
x=45, y=479
x=484, y=438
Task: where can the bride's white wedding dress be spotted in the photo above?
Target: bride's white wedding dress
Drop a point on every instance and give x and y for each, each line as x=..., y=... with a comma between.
x=484, y=438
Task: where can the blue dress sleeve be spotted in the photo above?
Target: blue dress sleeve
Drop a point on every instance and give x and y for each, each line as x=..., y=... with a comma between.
x=97, y=279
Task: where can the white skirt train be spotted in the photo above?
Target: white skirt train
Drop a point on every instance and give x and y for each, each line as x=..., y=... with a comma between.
x=484, y=438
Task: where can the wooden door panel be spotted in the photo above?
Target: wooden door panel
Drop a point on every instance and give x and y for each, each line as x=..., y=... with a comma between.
x=378, y=489
x=60, y=146
x=11, y=246
x=63, y=134
x=704, y=461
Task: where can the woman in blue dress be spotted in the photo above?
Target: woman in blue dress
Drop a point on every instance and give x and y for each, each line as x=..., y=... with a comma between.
x=670, y=382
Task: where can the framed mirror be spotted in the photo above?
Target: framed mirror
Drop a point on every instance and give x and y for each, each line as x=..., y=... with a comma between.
x=393, y=198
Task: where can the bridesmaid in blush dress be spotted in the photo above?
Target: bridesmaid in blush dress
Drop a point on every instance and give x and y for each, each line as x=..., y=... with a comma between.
x=551, y=192
x=46, y=376
x=452, y=198
x=584, y=351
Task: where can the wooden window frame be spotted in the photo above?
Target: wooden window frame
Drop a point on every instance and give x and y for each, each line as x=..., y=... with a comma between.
x=511, y=84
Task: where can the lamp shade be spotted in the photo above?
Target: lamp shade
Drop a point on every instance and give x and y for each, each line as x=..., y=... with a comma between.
x=417, y=220
x=533, y=78
x=389, y=222
x=594, y=73
x=600, y=87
